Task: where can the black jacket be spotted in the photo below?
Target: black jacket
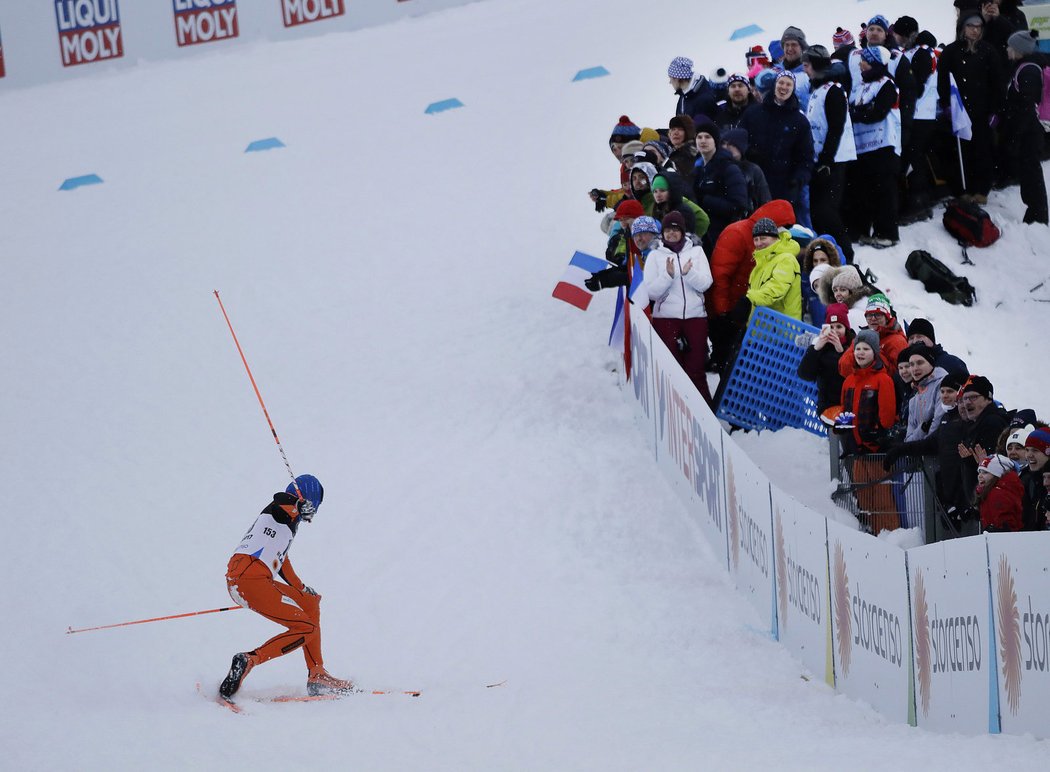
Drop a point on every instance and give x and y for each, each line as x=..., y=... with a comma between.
x=720, y=190
x=979, y=75
x=822, y=366
x=780, y=141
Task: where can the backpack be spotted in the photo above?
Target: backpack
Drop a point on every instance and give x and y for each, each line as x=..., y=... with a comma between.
x=969, y=224
x=1042, y=110
x=938, y=279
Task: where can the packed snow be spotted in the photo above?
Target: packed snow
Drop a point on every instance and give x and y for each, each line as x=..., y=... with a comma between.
x=491, y=514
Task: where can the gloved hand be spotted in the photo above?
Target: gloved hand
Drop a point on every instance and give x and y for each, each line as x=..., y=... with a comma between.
x=594, y=283
x=803, y=339
x=612, y=246
x=892, y=455
x=311, y=591
x=306, y=509
x=598, y=197
x=741, y=312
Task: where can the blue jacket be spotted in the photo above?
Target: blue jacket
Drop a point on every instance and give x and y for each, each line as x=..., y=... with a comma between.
x=780, y=141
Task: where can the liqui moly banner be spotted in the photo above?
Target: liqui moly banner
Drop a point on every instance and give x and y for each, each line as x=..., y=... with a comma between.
x=869, y=615
x=750, y=531
x=1021, y=616
x=296, y=12
x=800, y=546
x=952, y=636
x=88, y=31
x=204, y=21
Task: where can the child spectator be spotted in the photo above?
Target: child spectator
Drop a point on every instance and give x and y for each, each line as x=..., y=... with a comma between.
x=820, y=363
x=924, y=408
x=881, y=320
x=999, y=495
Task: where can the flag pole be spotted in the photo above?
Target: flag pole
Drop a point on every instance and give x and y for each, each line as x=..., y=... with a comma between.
x=962, y=168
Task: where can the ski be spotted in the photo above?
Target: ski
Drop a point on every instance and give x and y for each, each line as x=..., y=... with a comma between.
x=218, y=699
x=335, y=695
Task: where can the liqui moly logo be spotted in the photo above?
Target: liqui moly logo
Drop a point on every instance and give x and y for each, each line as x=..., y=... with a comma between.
x=88, y=31
x=296, y=12
x=204, y=21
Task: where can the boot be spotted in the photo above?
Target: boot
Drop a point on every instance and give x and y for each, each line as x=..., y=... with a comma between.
x=322, y=682
x=239, y=668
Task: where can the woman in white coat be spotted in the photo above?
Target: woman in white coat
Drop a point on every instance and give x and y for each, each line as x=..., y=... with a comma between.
x=676, y=276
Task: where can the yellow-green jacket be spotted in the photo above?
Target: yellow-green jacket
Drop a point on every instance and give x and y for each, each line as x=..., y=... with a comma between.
x=775, y=281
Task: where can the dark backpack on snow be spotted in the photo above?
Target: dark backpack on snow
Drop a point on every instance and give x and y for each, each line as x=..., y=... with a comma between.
x=938, y=279
x=970, y=224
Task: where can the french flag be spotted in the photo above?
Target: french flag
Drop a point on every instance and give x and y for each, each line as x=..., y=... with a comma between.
x=571, y=288
x=637, y=279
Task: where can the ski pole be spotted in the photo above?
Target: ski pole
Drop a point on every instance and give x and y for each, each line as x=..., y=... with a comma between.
x=154, y=619
x=258, y=395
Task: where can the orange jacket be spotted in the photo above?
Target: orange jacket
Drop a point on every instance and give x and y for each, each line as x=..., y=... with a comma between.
x=892, y=342
x=733, y=256
x=869, y=394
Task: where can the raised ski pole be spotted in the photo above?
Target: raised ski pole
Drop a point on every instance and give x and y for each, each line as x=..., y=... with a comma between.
x=153, y=619
x=258, y=395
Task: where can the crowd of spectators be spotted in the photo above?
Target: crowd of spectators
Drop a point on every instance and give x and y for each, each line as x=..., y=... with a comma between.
x=720, y=213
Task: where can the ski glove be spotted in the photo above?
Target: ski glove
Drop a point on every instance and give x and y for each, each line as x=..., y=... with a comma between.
x=311, y=591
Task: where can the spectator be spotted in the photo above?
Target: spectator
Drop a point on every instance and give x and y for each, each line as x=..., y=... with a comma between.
x=694, y=92
x=844, y=45
x=845, y=285
x=921, y=331
x=735, y=141
x=676, y=277
x=978, y=72
x=660, y=155
x=997, y=28
x=833, y=146
x=1010, y=11
x=719, y=186
x=917, y=142
x=1036, y=448
x=793, y=42
x=999, y=495
x=925, y=407
x=1014, y=445
x=739, y=97
x=781, y=142
x=681, y=133
x=905, y=391
x=820, y=363
x=877, y=134
x=775, y=281
x=987, y=420
x=622, y=133
x=1022, y=133
x=642, y=174
x=616, y=248
x=731, y=264
x=820, y=251
x=757, y=60
x=881, y=320
x=667, y=198
x=899, y=69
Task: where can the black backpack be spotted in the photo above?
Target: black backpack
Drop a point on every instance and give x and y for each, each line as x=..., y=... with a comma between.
x=938, y=279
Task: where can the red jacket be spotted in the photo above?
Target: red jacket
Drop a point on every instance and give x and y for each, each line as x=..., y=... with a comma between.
x=733, y=256
x=1001, y=507
x=892, y=342
x=869, y=394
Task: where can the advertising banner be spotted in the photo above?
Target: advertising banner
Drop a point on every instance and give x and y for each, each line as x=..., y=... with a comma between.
x=1039, y=19
x=204, y=21
x=800, y=543
x=951, y=636
x=1021, y=616
x=88, y=31
x=869, y=614
x=296, y=12
x=750, y=531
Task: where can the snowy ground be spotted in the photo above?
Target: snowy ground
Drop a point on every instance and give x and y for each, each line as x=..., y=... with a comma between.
x=491, y=513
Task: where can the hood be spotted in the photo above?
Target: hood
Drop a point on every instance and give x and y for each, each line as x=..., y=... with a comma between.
x=778, y=210
x=828, y=245
x=648, y=168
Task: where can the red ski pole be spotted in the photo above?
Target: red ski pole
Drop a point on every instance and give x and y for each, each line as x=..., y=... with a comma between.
x=258, y=395
x=154, y=619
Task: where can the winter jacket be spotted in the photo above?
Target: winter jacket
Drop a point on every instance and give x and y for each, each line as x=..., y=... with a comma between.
x=856, y=302
x=822, y=366
x=684, y=160
x=780, y=142
x=699, y=98
x=868, y=393
x=979, y=75
x=943, y=443
x=757, y=186
x=1024, y=92
x=925, y=407
x=1000, y=504
x=720, y=190
x=696, y=219
x=776, y=280
x=985, y=432
x=728, y=115
x=950, y=363
x=733, y=256
x=891, y=343
x=1033, y=517
x=680, y=296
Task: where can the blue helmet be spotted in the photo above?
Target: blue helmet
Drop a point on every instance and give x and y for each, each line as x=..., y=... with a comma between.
x=311, y=489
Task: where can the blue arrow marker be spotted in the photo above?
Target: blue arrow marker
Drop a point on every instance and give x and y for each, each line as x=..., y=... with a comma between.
x=745, y=32
x=591, y=72
x=76, y=182
x=444, y=104
x=263, y=144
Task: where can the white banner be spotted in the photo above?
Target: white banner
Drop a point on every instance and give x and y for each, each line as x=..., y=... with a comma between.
x=800, y=543
x=750, y=531
x=1021, y=608
x=869, y=610
x=951, y=636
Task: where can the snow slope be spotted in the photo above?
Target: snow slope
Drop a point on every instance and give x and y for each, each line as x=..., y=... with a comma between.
x=491, y=513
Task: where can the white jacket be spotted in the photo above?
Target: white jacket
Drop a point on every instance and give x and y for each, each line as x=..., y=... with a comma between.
x=679, y=296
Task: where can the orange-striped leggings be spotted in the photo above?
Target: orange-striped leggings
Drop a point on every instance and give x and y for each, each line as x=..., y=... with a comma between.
x=252, y=586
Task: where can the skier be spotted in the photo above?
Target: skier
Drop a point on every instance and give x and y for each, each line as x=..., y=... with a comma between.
x=258, y=561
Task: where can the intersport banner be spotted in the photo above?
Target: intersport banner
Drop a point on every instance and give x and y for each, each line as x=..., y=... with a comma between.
x=869, y=610
x=1021, y=608
x=750, y=531
x=800, y=544
x=952, y=636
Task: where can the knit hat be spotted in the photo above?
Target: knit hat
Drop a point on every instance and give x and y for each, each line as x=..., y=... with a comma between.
x=707, y=126
x=786, y=74
x=674, y=219
x=952, y=381
x=764, y=80
x=842, y=37
x=659, y=146
x=878, y=20
x=794, y=33
x=680, y=67
x=1019, y=436
x=630, y=148
x=776, y=50
x=847, y=277
x=904, y=355
x=925, y=352
x=876, y=55
x=737, y=138
x=879, y=304
x=625, y=131
x=970, y=16
x=906, y=26
x=738, y=77
x=765, y=227
x=645, y=224
x=685, y=123
x=629, y=208
x=997, y=465
x=837, y=313
x=978, y=384
x=756, y=55
x=1040, y=440
x=920, y=326
x=1023, y=417
x=1024, y=41
x=719, y=77
x=817, y=56
x=869, y=337
x=660, y=183
x=818, y=273
x=926, y=38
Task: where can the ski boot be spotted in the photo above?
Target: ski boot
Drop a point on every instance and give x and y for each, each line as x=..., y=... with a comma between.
x=322, y=682
x=239, y=668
